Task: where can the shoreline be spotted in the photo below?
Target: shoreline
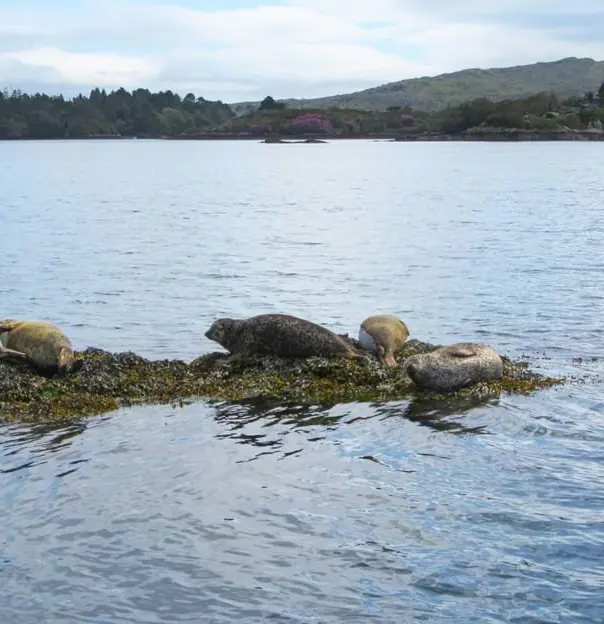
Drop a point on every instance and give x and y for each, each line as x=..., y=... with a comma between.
x=491, y=136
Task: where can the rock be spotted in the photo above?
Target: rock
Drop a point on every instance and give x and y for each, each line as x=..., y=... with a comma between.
x=107, y=381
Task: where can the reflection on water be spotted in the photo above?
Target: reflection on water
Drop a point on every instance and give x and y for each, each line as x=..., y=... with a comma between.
x=256, y=422
x=443, y=414
x=435, y=511
x=259, y=423
x=36, y=441
x=258, y=509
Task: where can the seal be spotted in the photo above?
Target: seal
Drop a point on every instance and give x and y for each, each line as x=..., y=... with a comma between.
x=278, y=334
x=40, y=343
x=383, y=334
x=454, y=366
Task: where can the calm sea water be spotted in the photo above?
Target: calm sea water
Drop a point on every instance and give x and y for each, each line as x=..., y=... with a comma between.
x=220, y=513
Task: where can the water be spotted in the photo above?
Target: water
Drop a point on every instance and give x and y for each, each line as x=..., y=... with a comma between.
x=398, y=512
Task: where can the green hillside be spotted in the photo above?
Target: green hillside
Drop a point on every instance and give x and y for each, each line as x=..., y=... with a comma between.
x=540, y=116
x=566, y=78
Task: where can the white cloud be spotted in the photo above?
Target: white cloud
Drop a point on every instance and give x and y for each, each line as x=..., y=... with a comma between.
x=297, y=48
x=271, y=23
x=494, y=8
x=87, y=67
x=311, y=62
x=461, y=46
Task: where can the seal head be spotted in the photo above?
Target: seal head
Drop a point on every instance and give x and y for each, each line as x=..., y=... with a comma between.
x=223, y=331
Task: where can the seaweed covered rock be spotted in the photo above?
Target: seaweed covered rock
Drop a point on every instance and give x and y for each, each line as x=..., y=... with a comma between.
x=107, y=381
x=103, y=383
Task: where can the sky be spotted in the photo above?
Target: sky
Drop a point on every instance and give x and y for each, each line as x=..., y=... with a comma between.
x=239, y=50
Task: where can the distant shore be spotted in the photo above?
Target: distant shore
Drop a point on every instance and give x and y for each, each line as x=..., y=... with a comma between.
x=503, y=135
x=490, y=135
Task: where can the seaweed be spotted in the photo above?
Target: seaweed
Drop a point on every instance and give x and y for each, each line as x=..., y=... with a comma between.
x=107, y=381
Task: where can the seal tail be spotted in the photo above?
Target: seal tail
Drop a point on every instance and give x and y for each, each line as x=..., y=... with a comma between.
x=355, y=354
x=65, y=359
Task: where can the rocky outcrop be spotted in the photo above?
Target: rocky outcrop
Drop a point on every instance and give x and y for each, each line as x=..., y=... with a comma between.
x=107, y=381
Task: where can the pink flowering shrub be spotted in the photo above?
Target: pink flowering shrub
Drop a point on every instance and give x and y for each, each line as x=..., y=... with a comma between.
x=312, y=122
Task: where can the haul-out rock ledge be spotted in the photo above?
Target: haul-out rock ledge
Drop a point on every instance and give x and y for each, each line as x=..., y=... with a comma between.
x=107, y=381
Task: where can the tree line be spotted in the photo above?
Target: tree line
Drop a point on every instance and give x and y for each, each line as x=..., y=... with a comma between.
x=139, y=113
x=543, y=111
x=142, y=113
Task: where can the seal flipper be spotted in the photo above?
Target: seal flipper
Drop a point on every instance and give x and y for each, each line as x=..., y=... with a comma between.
x=77, y=365
x=236, y=360
x=11, y=354
x=390, y=360
x=462, y=351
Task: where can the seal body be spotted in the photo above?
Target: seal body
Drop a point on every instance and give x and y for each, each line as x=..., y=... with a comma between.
x=454, y=366
x=278, y=334
x=43, y=344
x=383, y=334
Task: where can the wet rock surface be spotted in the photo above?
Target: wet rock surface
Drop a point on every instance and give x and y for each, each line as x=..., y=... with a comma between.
x=107, y=381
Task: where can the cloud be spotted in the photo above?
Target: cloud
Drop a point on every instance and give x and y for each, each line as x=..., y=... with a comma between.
x=272, y=24
x=288, y=48
x=85, y=67
x=493, y=41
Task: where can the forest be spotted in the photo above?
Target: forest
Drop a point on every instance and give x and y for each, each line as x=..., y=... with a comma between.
x=101, y=114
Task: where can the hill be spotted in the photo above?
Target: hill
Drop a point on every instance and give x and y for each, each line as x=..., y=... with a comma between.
x=540, y=116
x=566, y=78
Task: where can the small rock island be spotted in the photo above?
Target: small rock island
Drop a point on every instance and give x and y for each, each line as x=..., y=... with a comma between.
x=107, y=381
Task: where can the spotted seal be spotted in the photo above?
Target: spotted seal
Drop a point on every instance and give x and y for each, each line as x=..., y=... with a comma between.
x=383, y=334
x=278, y=334
x=454, y=366
x=40, y=343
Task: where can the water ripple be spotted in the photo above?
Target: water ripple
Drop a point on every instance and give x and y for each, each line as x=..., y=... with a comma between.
x=441, y=511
